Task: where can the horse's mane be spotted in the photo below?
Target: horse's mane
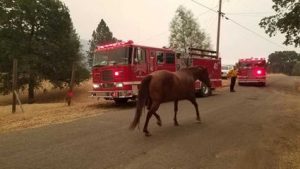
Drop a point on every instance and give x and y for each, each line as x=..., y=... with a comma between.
x=192, y=69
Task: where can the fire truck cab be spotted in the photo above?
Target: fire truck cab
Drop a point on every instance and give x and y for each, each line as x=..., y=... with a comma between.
x=252, y=71
x=118, y=68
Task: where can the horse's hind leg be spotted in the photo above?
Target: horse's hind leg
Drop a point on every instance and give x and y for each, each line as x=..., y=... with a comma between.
x=175, y=112
x=153, y=110
x=149, y=104
x=193, y=100
x=158, y=118
x=145, y=130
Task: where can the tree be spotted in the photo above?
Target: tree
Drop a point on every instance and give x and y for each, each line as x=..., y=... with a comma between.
x=283, y=61
x=102, y=35
x=40, y=34
x=286, y=21
x=185, y=32
x=296, y=69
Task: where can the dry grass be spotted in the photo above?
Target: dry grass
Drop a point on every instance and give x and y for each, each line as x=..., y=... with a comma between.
x=48, y=94
x=50, y=108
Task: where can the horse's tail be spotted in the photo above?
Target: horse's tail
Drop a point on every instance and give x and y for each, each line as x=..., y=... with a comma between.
x=142, y=98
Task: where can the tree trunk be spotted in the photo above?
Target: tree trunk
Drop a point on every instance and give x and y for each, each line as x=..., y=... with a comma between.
x=31, y=89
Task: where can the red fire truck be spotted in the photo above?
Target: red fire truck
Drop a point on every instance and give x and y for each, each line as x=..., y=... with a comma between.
x=252, y=71
x=118, y=69
x=212, y=62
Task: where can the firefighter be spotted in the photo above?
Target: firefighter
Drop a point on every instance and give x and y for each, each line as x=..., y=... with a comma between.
x=232, y=74
x=69, y=96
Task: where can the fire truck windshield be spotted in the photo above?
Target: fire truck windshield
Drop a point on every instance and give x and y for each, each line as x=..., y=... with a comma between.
x=259, y=64
x=118, y=56
x=251, y=65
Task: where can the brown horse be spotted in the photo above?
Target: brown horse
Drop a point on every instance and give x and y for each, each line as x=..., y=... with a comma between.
x=163, y=86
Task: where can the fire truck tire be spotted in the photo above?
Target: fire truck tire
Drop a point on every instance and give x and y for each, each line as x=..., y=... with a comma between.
x=204, y=91
x=262, y=84
x=121, y=100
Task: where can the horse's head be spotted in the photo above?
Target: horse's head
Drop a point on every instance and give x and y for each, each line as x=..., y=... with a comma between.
x=202, y=74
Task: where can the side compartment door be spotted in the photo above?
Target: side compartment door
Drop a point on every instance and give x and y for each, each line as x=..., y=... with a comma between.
x=139, y=62
x=151, y=61
x=244, y=70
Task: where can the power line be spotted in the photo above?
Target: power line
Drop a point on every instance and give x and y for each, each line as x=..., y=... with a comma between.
x=257, y=34
x=157, y=35
x=205, y=12
x=247, y=13
x=242, y=26
x=211, y=9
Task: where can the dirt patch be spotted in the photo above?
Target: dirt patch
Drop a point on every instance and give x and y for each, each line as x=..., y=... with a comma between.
x=225, y=83
x=297, y=86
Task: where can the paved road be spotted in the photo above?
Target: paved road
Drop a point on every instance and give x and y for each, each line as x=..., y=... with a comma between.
x=254, y=128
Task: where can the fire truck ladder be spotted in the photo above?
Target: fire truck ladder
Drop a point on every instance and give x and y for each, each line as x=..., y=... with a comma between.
x=202, y=53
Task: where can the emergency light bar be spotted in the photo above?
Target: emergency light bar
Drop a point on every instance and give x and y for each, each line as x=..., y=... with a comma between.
x=252, y=59
x=113, y=45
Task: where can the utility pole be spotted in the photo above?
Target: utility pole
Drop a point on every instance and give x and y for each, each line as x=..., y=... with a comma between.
x=219, y=27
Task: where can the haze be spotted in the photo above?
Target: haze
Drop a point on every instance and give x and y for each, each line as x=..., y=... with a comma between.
x=147, y=22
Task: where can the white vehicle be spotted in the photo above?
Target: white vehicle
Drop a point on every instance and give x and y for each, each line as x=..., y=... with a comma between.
x=225, y=69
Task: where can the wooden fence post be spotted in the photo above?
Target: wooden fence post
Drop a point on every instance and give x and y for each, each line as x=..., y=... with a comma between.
x=70, y=91
x=14, y=84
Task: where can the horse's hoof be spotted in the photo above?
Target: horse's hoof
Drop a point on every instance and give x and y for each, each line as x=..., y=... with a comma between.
x=159, y=123
x=176, y=124
x=199, y=121
x=147, y=134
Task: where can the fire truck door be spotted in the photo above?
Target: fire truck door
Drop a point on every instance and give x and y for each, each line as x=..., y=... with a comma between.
x=244, y=70
x=165, y=61
x=139, y=62
x=159, y=60
x=151, y=62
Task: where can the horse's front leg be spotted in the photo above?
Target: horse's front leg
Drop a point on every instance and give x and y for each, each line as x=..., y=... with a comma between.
x=175, y=112
x=193, y=100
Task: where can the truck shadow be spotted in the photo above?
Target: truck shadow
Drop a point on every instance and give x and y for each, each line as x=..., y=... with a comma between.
x=113, y=105
x=253, y=85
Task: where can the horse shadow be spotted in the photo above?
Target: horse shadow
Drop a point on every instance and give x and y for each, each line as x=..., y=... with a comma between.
x=113, y=105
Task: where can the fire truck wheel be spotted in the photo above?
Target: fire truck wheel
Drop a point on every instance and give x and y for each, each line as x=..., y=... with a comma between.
x=205, y=91
x=121, y=100
x=262, y=84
